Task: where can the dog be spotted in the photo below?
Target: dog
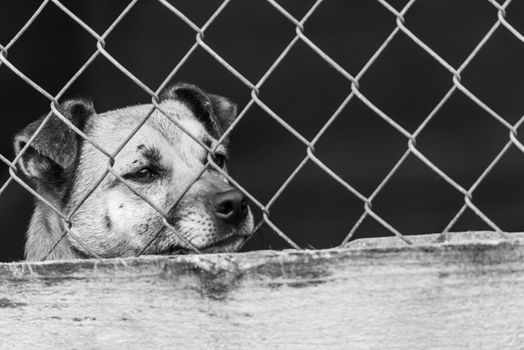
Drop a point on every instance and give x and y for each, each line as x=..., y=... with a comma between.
x=158, y=162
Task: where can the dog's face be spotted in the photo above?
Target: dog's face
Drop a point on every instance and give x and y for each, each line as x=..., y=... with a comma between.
x=159, y=162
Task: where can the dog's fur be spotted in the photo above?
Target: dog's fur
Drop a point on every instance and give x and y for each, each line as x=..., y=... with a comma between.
x=159, y=162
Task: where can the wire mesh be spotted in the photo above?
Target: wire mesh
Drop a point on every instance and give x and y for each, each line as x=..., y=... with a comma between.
x=401, y=28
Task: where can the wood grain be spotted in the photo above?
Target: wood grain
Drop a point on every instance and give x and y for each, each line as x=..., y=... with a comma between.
x=465, y=293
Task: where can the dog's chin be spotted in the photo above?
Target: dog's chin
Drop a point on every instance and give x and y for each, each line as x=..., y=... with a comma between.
x=226, y=245
x=229, y=244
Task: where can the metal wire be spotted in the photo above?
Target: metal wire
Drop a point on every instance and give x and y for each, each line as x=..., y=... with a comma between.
x=401, y=27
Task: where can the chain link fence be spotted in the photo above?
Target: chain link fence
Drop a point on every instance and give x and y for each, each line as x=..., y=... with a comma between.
x=402, y=28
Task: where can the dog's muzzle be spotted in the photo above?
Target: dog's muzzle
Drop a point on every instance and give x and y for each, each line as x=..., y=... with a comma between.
x=230, y=206
x=229, y=211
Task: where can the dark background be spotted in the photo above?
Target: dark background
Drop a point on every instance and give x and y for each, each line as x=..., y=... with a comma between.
x=315, y=211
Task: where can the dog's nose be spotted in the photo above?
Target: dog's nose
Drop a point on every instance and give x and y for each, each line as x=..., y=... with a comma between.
x=230, y=206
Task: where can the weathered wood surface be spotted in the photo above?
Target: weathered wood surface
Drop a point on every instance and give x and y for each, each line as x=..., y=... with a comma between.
x=466, y=294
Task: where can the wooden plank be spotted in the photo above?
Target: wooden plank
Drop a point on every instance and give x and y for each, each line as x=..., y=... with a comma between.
x=467, y=293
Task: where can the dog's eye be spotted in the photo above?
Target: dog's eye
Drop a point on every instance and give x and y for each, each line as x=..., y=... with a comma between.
x=142, y=175
x=220, y=159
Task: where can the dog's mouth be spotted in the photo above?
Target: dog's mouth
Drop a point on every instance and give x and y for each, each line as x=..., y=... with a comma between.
x=228, y=244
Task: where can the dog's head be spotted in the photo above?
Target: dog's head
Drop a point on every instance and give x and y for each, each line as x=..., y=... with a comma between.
x=159, y=162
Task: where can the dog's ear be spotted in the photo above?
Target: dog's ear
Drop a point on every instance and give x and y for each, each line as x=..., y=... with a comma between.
x=55, y=149
x=225, y=110
x=216, y=112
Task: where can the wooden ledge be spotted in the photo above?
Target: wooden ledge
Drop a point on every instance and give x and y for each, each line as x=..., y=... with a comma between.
x=466, y=292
